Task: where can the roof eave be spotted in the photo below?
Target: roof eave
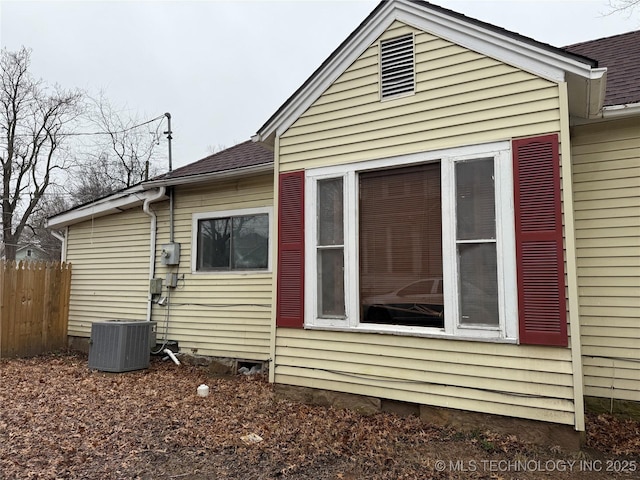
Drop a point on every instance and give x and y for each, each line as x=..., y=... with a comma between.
x=212, y=176
x=115, y=203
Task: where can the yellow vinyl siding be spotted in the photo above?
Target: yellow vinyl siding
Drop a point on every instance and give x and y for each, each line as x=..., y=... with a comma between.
x=462, y=98
x=110, y=257
x=606, y=158
x=216, y=314
x=524, y=381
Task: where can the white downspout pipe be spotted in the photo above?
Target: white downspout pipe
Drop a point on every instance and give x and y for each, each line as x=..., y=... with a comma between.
x=63, y=239
x=146, y=208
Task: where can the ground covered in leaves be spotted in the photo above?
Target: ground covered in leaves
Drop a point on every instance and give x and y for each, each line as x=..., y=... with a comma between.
x=58, y=419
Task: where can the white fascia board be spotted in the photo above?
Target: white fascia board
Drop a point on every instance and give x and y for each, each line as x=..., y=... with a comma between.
x=210, y=177
x=115, y=203
x=536, y=60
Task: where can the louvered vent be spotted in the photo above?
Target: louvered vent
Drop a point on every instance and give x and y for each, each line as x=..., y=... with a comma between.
x=397, y=66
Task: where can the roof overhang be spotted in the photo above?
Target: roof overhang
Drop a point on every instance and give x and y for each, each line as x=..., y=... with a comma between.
x=118, y=202
x=135, y=196
x=210, y=177
x=586, y=83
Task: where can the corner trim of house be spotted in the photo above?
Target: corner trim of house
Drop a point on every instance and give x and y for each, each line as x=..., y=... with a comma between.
x=274, y=260
x=572, y=270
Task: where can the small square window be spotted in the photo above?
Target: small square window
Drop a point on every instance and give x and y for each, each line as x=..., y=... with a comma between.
x=234, y=242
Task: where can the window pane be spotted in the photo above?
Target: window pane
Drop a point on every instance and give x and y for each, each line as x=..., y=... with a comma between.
x=478, y=284
x=250, y=241
x=475, y=200
x=214, y=243
x=330, y=212
x=331, y=283
x=401, y=246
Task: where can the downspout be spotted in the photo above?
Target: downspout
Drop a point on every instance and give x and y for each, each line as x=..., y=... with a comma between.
x=146, y=208
x=63, y=239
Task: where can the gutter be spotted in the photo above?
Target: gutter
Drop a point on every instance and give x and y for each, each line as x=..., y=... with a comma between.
x=596, y=91
x=621, y=111
x=196, y=178
x=611, y=112
x=117, y=202
x=146, y=208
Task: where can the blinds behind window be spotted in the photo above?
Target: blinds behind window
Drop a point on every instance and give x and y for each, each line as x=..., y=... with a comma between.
x=400, y=228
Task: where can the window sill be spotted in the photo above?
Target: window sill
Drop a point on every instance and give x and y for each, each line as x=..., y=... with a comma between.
x=411, y=332
x=223, y=273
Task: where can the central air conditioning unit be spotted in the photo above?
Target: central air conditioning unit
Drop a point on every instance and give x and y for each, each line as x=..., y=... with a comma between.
x=121, y=345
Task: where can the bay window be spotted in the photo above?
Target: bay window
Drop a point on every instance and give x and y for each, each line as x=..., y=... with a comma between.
x=420, y=244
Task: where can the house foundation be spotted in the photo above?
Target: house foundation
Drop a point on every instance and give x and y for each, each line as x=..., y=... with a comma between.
x=613, y=406
x=531, y=431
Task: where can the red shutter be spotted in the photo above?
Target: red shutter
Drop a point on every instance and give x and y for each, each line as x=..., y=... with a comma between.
x=539, y=252
x=290, y=289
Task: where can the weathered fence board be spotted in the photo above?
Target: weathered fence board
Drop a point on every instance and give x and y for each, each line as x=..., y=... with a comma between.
x=34, y=307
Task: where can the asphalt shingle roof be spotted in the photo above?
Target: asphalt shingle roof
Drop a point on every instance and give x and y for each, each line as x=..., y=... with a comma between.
x=246, y=154
x=621, y=55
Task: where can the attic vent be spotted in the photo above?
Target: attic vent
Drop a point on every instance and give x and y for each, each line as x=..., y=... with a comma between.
x=397, y=66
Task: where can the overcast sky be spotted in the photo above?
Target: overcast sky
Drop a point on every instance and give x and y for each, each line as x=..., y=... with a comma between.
x=223, y=68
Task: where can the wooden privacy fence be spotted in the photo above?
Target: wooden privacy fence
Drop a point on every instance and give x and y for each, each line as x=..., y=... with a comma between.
x=34, y=307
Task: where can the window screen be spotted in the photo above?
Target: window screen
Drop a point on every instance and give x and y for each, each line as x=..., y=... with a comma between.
x=330, y=245
x=476, y=242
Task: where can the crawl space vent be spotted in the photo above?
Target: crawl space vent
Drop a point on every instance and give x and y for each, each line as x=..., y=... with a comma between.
x=120, y=346
x=397, y=66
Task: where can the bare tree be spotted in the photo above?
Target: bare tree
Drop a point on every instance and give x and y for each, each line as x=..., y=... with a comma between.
x=33, y=119
x=54, y=201
x=126, y=154
x=623, y=6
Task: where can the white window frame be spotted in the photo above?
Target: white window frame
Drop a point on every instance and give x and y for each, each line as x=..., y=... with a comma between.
x=507, y=329
x=196, y=217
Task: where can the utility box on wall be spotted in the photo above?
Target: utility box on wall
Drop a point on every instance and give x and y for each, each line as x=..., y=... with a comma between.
x=155, y=286
x=170, y=254
x=120, y=345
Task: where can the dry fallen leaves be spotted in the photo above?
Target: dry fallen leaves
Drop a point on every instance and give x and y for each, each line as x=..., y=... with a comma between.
x=58, y=419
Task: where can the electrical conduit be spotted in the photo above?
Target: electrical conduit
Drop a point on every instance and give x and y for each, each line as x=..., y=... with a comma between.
x=146, y=208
